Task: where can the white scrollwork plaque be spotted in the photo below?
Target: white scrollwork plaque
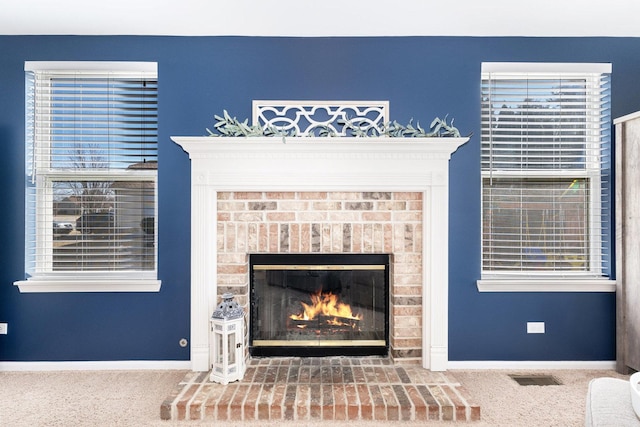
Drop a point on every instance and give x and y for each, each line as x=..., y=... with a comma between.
x=304, y=117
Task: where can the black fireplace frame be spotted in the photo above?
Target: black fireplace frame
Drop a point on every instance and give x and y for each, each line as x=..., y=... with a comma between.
x=319, y=259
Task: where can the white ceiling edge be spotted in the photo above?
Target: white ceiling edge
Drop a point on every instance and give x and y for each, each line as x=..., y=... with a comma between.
x=304, y=18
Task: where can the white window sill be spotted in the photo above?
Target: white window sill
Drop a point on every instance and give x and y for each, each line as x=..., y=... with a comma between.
x=573, y=284
x=88, y=285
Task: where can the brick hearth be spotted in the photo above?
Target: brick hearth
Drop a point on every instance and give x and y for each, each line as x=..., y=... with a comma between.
x=334, y=388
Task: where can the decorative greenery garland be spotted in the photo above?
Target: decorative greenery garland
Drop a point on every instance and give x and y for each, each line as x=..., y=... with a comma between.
x=230, y=126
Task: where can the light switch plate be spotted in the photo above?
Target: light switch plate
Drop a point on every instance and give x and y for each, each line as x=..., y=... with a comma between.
x=535, y=327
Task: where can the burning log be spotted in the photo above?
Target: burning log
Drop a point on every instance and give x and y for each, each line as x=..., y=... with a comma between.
x=326, y=323
x=325, y=313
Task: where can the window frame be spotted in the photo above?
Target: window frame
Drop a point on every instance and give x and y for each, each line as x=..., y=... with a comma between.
x=548, y=281
x=44, y=278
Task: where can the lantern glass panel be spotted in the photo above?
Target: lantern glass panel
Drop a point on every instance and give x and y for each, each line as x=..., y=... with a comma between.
x=219, y=349
x=232, y=348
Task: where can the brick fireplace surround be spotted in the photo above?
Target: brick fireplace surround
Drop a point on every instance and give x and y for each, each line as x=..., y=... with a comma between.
x=325, y=195
x=330, y=222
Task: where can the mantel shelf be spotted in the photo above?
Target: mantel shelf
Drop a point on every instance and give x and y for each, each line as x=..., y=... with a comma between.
x=310, y=164
x=195, y=145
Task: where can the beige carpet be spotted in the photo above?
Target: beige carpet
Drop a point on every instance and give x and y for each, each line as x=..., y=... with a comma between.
x=133, y=398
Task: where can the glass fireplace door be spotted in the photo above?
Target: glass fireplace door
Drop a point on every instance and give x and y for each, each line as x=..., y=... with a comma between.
x=313, y=304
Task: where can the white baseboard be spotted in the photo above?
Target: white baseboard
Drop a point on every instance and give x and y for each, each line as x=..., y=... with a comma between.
x=116, y=365
x=160, y=365
x=604, y=365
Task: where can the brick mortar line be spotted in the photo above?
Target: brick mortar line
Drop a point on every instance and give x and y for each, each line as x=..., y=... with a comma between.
x=353, y=382
x=428, y=384
x=244, y=399
x=201, y=406
x=465, y=401
x=204, y=376
x=185, y=387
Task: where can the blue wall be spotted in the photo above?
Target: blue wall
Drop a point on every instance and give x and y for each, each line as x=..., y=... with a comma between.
x=422, y=77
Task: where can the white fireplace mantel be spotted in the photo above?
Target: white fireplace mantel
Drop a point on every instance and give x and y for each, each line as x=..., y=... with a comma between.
x=321, y=164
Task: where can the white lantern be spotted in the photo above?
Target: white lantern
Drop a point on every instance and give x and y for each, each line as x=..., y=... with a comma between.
x=227, y=341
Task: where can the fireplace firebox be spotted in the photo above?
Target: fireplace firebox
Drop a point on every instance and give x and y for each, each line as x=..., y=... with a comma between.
x=319, y=304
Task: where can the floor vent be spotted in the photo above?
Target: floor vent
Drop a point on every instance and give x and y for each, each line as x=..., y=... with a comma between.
x=536, y=379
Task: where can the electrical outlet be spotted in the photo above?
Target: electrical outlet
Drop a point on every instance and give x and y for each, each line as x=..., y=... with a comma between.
x=535, y=327
x=3, y=328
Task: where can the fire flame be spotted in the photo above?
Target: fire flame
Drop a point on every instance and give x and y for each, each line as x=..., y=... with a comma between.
x=326, y=304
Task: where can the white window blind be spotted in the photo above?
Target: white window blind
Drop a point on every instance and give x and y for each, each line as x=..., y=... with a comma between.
x=91, y=155
x=546, y=178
